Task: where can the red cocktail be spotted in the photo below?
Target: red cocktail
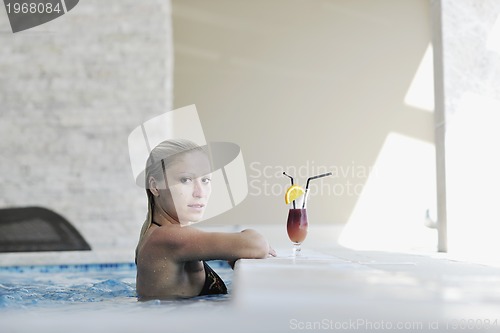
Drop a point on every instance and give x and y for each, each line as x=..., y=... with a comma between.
x=296, y=225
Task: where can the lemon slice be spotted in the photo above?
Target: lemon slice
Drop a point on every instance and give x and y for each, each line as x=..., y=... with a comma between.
x=293, y=192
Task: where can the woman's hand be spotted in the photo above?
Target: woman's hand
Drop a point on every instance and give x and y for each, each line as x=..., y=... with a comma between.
x=270, y=251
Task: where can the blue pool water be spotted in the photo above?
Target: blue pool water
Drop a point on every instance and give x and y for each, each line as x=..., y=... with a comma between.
x=63, y=286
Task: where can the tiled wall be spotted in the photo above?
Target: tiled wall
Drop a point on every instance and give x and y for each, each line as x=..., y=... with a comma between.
x=71, y=91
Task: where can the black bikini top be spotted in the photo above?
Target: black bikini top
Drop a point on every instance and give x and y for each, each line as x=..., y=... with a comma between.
x=213, y=283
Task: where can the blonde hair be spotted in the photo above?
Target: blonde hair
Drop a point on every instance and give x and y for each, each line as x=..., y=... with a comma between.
x=160, y=158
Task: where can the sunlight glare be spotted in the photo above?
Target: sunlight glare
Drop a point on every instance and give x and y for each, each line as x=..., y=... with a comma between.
x=421, y=91
x=473, y=177
x=390, y=212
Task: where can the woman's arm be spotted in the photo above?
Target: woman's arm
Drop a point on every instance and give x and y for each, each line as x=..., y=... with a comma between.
x=187, y=243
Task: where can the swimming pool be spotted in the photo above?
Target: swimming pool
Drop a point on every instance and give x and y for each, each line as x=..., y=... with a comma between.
x=95, y=286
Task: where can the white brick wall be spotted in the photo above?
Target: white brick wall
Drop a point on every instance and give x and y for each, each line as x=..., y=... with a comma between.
x=71, y=91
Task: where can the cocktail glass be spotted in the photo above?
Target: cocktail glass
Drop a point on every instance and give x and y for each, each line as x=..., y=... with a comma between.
x=297, y=223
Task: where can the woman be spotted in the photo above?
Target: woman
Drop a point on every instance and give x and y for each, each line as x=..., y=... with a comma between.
x=170, y=255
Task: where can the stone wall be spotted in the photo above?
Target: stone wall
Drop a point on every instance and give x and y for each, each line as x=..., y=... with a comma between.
x=71, y=91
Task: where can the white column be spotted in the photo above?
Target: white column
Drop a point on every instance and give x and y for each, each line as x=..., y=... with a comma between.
x=467, y=69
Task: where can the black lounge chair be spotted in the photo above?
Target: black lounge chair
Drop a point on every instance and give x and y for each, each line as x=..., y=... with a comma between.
x=32, y=229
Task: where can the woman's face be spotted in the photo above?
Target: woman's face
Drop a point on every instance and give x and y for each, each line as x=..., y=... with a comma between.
x=188, y=187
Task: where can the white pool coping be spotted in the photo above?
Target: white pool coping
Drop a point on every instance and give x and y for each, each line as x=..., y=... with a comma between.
x=329, y=287
x=276, y=234
x=332, y=285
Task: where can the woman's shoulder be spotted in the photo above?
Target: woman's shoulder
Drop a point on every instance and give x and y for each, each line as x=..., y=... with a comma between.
x=171, y=235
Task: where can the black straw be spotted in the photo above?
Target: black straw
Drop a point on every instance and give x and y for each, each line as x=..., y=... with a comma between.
x=291, y=179
x=316, y=177
x=307, y=185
